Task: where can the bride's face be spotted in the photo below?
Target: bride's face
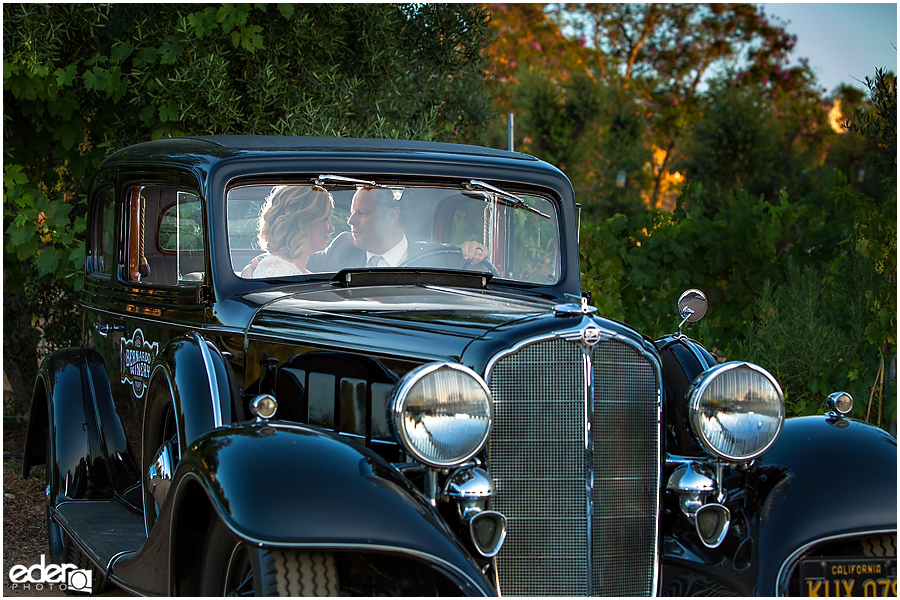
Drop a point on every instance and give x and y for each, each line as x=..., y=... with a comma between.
x=319, y=232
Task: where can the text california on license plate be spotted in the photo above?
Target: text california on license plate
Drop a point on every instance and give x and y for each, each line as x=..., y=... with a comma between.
x=843, y=577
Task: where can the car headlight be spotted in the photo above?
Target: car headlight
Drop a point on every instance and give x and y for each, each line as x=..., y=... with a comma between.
x=442, y=413
x=736, y=410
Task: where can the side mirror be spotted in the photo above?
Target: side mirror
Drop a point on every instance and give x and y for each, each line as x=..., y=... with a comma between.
x=692, y=307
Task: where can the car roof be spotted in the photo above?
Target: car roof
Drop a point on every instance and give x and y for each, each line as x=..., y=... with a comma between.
x=209, y=149
x=274, y=142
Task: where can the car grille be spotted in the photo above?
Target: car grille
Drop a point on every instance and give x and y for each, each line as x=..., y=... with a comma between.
x=581, y=513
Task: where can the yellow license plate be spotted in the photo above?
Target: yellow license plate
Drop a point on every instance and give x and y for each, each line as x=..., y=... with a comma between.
x=846, y=577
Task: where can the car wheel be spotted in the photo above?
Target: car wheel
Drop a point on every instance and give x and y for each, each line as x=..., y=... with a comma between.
x=232, y=567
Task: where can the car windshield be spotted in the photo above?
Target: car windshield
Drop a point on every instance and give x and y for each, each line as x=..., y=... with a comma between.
x=288, y=230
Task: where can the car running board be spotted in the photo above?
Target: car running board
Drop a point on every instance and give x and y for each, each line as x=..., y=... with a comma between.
x=103, y=529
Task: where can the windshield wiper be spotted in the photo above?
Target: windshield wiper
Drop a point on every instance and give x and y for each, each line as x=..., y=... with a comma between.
x=511, y=198
x=321, y=180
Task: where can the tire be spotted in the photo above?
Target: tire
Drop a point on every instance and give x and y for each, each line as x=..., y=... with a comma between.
x=885, y=545
x=232, y=567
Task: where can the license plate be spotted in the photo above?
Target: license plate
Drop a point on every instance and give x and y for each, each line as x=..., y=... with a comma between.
x=844, y=577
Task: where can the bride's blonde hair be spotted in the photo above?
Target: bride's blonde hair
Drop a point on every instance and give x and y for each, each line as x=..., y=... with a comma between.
x=287, y=216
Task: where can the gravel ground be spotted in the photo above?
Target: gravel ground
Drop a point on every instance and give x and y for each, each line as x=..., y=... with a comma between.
x=24, y=537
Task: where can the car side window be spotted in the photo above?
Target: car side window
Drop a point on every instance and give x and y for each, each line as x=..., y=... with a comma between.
x=101, y=259
x=166, y=242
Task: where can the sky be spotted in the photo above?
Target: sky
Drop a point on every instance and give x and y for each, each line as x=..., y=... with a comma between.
x=844, y=43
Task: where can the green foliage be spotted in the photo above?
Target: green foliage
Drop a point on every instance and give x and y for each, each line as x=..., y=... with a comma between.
x=735, y=144
x=802, y=293
x=80, y=81
x=40, y=230
x=601, y=274
x=559, y=112
x=807, y=333
x=879, y=126
x=662, y=254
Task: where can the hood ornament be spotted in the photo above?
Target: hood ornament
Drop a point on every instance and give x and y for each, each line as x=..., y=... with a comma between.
x=577, y=307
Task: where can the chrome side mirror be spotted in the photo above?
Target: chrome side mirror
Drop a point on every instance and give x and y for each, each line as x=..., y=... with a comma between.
x=692, y=307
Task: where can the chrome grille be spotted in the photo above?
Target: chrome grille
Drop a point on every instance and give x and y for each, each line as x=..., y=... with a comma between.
x=627, y=467
x=539, y=456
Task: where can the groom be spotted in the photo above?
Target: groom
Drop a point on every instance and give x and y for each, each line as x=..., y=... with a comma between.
x=377, y=237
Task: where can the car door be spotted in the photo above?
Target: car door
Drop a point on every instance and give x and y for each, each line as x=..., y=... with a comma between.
x=154, y=294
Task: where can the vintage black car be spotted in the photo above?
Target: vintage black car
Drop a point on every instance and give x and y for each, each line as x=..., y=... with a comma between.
x=441, y=426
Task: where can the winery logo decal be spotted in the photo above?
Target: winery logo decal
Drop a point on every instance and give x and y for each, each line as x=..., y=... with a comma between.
x=136, y=356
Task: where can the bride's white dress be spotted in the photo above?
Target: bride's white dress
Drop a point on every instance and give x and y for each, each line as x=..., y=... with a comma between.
x=274, y=266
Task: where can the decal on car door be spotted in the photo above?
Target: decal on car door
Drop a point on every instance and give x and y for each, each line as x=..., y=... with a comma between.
x=136, y=356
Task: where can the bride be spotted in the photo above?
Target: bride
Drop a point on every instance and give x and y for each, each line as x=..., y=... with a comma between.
x=294, y=223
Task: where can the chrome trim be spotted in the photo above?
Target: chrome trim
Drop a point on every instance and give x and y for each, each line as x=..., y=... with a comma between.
x=259, y=399
x=469, y=482
x=77, y=539
x=398, y=400
x=573, y=308
x=498, y=519
x=790, y=563
x=212, y=379
x=832, y=402
x=104, y=329
x=337, y=179
x=695, y=393
x=591, y=335
x=724, y=515
x=113, y=559
x=576, y=335
x=692, y=305
x=693, y=477
x=516, y=201
x=159, y=474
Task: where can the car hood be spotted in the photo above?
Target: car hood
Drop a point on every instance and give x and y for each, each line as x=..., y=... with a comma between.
x=411, y=321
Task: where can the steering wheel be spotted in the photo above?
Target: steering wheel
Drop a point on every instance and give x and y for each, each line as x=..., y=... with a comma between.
x=426, y=258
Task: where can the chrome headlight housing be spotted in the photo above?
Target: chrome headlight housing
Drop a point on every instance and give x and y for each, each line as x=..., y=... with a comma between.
x=736, y=410
x=442, y=413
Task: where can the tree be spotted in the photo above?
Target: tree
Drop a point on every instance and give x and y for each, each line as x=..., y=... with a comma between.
x=80, y=81
x=758, y=134
x=657, y=56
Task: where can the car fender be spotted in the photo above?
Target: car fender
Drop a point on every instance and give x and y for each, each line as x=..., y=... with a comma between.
x=191, y=381
x=200, y=386
x=279, y=484
x=838, y=477
x=683, y=360
x=63, y=422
